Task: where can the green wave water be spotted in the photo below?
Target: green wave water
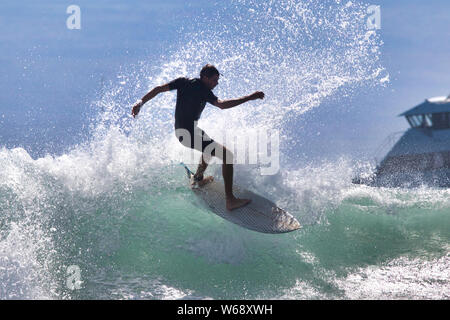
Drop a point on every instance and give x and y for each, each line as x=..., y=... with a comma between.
x=150, y=240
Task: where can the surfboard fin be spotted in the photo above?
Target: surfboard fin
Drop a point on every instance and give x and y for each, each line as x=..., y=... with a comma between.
x=189, y=173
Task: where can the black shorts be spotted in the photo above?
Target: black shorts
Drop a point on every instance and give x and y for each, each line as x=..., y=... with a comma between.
x=195, y=138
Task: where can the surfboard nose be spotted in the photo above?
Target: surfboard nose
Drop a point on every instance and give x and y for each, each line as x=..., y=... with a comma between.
x=295, y=224
x=285, y=221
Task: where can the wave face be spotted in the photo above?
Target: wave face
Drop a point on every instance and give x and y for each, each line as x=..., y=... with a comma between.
x=117, y=206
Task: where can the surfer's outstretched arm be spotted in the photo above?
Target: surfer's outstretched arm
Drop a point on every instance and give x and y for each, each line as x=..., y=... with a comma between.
x=150, y=95
x=227, y=104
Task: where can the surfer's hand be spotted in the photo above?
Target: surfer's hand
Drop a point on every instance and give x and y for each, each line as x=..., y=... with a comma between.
x=257, y=95
x=136, y=108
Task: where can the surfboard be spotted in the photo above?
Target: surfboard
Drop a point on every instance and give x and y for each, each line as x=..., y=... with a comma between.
x=261, y=214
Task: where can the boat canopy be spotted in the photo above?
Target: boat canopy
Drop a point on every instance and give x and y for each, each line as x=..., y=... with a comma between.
x=433, y=113
x=433, y=105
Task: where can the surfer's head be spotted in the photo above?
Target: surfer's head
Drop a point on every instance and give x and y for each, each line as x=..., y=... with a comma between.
x=209, y=75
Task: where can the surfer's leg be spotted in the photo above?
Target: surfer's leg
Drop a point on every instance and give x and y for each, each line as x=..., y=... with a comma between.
x=205, y=158
x=201, y=167
x=227, y=172
x=198, y=177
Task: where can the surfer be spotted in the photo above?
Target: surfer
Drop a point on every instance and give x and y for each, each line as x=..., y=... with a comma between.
x=192, y=95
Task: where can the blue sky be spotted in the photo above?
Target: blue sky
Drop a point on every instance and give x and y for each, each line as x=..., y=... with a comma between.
x=50, y=74
x=416, y=49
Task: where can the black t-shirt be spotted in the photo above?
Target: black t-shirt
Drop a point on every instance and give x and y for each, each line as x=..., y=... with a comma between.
x=192, y=96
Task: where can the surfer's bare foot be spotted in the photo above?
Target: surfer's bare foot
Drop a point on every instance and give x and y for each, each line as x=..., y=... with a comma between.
x=234, y=203
x=205, y=180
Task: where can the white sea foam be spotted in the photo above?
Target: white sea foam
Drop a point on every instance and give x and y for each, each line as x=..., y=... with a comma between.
x=402, y=278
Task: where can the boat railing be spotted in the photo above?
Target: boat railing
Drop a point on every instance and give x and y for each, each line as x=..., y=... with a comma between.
x=387, y=144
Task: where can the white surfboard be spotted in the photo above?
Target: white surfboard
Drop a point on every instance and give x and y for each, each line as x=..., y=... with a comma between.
x=260, y=214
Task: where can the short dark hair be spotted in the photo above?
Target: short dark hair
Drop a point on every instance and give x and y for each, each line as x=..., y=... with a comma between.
x=208, y=71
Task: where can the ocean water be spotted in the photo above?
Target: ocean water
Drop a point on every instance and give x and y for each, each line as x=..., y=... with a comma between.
x=112, y=217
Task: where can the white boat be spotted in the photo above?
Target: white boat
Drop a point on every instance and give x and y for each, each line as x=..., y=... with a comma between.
x=422, y=154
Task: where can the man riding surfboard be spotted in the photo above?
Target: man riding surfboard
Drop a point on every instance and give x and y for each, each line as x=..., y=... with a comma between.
x=192, y=95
